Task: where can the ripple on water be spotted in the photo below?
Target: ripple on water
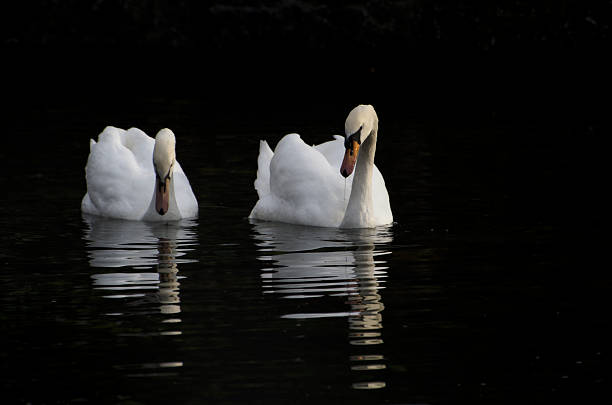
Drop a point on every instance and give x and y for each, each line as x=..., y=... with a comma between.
x=158, y=248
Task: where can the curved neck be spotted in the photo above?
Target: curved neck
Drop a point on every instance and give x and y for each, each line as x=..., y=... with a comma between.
x=360, y=209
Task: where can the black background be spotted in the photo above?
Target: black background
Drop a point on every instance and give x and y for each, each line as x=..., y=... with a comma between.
x=539, y=66
x=517, y=60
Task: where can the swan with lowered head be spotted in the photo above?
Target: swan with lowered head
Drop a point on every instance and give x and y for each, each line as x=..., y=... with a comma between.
x=310, y=185
x=133, y=176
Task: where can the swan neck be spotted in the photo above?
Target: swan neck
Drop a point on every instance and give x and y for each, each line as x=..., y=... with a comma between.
x=360, y=209
x=368, y=151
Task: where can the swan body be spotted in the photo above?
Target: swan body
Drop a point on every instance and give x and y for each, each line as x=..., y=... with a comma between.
x=133, y=176
x=306, y=185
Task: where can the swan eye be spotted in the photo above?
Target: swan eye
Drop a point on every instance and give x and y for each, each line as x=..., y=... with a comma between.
x=348, y=142
x=170, y=171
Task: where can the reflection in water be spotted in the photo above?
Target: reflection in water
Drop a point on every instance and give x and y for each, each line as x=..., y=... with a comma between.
x=141, y=247
x=311, y=263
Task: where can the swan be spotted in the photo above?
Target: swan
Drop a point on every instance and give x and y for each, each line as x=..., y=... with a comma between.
x=310, y=185
x=132, y=176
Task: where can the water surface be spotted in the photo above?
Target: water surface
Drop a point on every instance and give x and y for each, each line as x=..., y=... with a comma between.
x=479, y=292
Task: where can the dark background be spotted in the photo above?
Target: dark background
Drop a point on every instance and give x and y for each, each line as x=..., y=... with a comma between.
x=530, y=80
x=514, y=58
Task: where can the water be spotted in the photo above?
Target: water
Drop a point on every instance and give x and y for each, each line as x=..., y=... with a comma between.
x=482, y=291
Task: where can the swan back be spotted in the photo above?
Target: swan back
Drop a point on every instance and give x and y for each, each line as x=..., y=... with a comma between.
x=117, y=153
x=305, y=162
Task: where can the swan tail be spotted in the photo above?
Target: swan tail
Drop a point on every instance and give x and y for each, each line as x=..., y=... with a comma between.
x=262, y=182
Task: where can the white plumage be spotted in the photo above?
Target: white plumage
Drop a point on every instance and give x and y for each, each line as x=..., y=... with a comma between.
x=302, y=184
x=121, y=179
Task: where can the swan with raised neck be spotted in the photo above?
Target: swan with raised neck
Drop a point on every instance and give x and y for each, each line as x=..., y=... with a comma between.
x=361, y=130
x=307, y=185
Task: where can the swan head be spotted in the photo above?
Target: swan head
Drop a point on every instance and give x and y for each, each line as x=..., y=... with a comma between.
x=163, y=163
x=361, y=122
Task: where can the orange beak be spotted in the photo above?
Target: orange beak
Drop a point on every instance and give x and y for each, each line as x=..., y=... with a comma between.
x=162, y=195
x=350, y=157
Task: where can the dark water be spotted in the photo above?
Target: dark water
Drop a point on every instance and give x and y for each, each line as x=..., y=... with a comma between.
x=484, y=290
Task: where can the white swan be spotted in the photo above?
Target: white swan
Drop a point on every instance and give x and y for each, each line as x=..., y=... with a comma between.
x=304, y=185
x=133, y=176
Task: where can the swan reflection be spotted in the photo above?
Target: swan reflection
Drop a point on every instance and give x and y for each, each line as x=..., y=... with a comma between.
x=156, y=247
x=313, y=264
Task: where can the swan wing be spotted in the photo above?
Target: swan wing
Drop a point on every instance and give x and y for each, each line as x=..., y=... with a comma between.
x=118, y=174
x=304, y=188
x=185, y=199
x=262, y=182
x=333, y=151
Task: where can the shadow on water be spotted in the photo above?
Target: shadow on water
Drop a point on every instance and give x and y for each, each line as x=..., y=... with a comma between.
x=323, y=265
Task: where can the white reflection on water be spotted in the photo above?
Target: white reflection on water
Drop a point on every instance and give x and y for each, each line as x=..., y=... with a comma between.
x=156, y=247
x=310, y=263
